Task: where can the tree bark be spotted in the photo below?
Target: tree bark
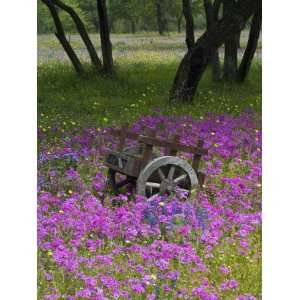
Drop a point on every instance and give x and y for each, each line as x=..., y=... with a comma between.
x=159, y=17
x=198, y=57
x=211, y=12
x=61, y=36
x=189, y=23
x=132, y=25
x=231, y=46
x=251, y=45
x=82, y=32
x=104, y=36
x=179, y=19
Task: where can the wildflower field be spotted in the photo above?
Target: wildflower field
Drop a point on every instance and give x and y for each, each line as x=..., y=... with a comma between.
x=207, y=247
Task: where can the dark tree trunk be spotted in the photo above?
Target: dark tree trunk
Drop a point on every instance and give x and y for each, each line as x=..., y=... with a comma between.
x=159, y=17
x=61, y=36
x=83, y=33
x=132, y=24
x=104, y=36
x=216, y=9
x=251, y=45
x=231, y=46
x=198, y=57
x=239, y=40
x=189, y=23
x=211, y=19
x=110, y=24
x=179, y=19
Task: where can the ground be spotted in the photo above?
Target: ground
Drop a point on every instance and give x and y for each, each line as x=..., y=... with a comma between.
x=206, y=248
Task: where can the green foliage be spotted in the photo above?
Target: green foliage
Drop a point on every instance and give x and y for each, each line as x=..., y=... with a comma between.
x=45, y=23
x=89, y=10
x=124, y=15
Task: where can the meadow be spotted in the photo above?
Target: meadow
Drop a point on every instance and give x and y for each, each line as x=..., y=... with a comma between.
x=206, y=247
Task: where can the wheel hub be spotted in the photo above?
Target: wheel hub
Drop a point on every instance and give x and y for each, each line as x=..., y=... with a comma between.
x=167, y=186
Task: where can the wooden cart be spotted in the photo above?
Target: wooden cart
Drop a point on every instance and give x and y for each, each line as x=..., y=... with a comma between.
x=153, y=174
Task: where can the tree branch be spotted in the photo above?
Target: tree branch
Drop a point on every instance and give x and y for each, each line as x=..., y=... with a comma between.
x=61, y=36
x=82, y=32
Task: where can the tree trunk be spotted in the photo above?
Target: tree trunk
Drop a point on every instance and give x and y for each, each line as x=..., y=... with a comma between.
x=104, y=36
x=82, y=32
x=211, y=19
x=231, y=46
x=132, y=23
x=197, y=58
x=179, y=19
x=189, y=21
x=251, y=45
x=61, y=36
x=159, y=17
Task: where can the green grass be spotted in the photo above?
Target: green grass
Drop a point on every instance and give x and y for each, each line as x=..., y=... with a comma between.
x=140, y=84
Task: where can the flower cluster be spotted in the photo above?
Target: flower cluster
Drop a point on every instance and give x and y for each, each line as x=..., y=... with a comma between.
x=207, y=247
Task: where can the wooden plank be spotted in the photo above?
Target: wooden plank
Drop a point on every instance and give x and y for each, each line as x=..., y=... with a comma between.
x=201, y=178
x=197, y=157
x=147, y=153
x=123, y=136
x=167, y=144
x=173, y=151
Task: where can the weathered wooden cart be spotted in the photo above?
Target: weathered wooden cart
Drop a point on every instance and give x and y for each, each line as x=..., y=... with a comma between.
x=153, y=174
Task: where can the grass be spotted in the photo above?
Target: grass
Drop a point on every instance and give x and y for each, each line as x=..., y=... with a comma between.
x=140, y=84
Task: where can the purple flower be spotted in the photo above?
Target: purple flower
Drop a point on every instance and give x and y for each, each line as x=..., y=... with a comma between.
x=138, y=288
x=225, y=270
x=229, y=285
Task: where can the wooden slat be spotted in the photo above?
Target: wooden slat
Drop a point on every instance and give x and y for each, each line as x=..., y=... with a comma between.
x=179, y=147
x=147, y=152
x=123, y=136
x=201, y=179
x=197, y=156
x=175, y=140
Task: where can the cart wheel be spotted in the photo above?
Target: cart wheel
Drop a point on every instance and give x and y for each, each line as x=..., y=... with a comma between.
x=166, y=175
x=117, y=180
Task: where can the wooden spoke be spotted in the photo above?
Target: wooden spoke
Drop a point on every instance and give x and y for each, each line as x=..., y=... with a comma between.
x=161, y=174
x=171, y=173
x=153, y=184
x=181, y=177
x=120, y=164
